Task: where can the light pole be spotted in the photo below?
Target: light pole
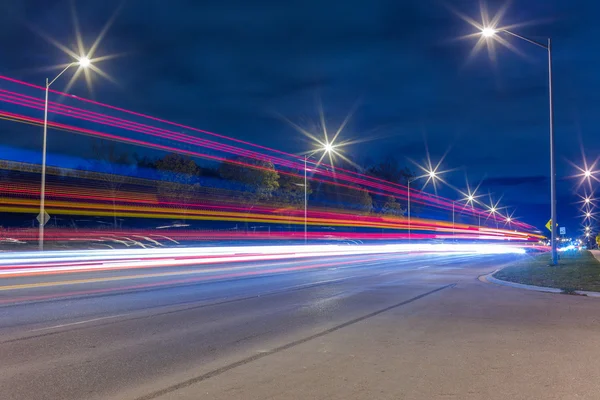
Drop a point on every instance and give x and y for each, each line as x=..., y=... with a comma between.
x=83, y=62
x=410, y=180
x=489, y=32
x=431, y=175
x=305, y=201
x=493, y=212
x=453, y=225
x=327, y=148
x=471, y=200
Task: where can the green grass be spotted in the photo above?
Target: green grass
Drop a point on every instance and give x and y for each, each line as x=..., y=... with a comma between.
x=575, y=271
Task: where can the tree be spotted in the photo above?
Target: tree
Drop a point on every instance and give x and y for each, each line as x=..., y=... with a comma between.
x=258, y=176
x=392, y=207
x=345, y=197
x=291, y=189
x=364, y=201
x=389, y=170
x=179, y=180
x=144, y=161
x=114, y=168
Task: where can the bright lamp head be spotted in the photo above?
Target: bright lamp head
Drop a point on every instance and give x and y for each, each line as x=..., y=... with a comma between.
x=488, y=32
x=84, y=62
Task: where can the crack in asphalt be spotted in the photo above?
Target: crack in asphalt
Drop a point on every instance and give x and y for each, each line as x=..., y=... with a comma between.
x=287, y=346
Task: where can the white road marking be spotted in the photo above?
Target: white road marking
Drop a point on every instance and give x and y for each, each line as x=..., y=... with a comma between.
x=79, y=322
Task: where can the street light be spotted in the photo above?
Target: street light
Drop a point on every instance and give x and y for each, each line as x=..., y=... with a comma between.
x=471, y=201
x=489, y=33
x=432, y=175
x=471, y=198
x=493, y=212
x=83, y=62
x=327, y=149
x=409, y=181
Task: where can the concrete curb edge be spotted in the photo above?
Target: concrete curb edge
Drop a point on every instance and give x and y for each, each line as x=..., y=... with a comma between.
x=488, y=278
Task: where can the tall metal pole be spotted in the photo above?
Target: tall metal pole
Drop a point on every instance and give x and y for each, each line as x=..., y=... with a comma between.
x=409, y=211
x=453, y=225
x=305, y=201
x=553, y=217
x=552, y=166
x=43, y=184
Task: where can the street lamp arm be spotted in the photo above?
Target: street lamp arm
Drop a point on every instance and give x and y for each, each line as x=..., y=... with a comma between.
x=543, y=46
x=61, y=72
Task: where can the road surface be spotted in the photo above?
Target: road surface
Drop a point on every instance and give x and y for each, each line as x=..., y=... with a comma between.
x=357, y=327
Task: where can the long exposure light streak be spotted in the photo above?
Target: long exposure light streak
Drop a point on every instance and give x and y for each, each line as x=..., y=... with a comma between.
x=439, y=202
x=352, y=176
x=15, y=264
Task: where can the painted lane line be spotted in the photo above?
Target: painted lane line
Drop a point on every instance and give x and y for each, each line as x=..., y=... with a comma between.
x=78, y=323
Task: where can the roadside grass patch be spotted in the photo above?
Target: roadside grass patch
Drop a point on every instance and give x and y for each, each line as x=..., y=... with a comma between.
x=576, y=270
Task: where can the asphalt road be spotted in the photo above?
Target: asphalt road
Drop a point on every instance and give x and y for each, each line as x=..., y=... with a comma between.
x=360, y=327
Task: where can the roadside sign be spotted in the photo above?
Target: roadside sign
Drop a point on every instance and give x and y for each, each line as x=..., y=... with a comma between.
x=563, y=230
x=549, y=225
x=43, y=221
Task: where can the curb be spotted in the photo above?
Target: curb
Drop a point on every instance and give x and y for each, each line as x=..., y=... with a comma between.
x=490, y=279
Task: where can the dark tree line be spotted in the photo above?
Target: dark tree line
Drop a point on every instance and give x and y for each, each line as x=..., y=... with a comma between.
x=257, y=181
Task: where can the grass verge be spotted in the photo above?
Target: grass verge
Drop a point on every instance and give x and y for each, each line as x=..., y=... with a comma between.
x=578, y=270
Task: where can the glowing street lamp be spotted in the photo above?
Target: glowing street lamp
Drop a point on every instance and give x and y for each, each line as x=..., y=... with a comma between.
x=431, y=174
x=493, y=211
x=488, y=32
x=471, y=201
x=409, y=181
x=82, y=62
x=470, y=198
x=326, y=149
x=491, y=33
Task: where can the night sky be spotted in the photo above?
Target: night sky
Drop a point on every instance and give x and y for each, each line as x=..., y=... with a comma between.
x=236, y=66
